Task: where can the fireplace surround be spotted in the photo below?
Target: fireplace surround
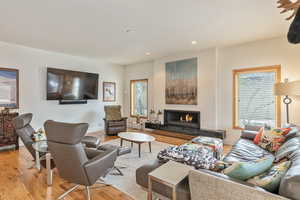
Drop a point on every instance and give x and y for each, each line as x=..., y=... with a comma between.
x=183, y=124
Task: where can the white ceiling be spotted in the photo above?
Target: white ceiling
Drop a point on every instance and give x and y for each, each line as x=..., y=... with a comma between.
x=97, y=28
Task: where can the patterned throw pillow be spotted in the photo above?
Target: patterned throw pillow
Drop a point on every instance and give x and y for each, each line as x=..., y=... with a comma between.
x=270, y=180
x=258, y=136
x=271, y=140
x=285, y=130
x=246, y=170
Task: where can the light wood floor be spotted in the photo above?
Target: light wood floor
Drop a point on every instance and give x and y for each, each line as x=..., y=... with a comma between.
x=19, y=182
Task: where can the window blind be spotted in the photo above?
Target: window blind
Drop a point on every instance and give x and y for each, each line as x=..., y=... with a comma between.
x=256, y=102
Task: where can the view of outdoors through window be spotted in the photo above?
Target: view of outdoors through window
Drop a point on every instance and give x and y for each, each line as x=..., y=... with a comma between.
x=139, y=98
x=256, y=102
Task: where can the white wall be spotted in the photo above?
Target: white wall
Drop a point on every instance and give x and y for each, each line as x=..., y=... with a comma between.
x=215, y=79
x=261, y=53
x=206, y=86
x=214, y=83
x=32, y=65
x=155, y=72
x=134, y=72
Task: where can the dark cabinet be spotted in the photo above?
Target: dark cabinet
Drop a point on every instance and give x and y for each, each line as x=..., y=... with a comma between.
x=8, y=136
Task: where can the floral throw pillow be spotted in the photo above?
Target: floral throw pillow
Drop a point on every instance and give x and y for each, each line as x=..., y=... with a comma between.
x=271, y=140
x=258, y=136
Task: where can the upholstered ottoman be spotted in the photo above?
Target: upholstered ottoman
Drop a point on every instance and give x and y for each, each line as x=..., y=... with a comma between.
x=120, y=151
x=198, y=156
x=215, y=143
x=91, y=141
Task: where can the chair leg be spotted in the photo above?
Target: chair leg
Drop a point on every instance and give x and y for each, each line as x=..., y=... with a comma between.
x=88, y=193
x=101, y=181
x=32, y=166
x=108, y=171
x=120, y=172
x=67, y=192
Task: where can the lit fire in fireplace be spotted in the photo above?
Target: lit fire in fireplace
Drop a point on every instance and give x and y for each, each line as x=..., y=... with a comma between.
x=186, y=118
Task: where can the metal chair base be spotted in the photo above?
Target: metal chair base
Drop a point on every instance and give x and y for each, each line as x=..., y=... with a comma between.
x=68, y=191
x=87, y=189
x=119, y=172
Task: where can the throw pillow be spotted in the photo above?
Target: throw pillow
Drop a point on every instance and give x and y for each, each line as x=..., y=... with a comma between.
x=258, y=136
x=246, y=170
x=271, y=140
x=270, y=180
x=220, y=166
x=284, y=131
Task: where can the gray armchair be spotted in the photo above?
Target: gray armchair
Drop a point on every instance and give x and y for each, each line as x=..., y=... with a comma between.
x=75, y=163
x=25, y=131
x=114, y=122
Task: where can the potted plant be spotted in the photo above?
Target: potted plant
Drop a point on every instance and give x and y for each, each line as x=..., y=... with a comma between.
x=40, y=135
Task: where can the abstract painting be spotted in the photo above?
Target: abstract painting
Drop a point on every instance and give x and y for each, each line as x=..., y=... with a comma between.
x=181, y=82
x=109, y=91
x=9, y=88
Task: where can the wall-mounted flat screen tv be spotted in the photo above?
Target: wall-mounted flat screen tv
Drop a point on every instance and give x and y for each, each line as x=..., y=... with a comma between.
x=71, y=85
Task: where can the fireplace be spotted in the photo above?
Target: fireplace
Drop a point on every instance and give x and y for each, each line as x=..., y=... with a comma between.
x=183, y=124
x=182, y=118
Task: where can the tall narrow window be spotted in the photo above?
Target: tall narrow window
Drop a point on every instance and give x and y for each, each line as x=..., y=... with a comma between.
x=253, y=99
x=139, y=98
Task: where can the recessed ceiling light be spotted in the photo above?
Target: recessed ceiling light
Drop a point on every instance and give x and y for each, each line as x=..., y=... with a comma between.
x=194, y=42
x=148, y=54
x=129, y=30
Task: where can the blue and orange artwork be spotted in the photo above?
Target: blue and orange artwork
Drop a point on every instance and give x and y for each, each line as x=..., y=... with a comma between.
x=8, y=88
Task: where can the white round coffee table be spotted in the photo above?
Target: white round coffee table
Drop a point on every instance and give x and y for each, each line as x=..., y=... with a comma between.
x=138, y=138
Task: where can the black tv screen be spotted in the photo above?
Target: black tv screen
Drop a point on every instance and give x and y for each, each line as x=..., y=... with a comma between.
x=71, y=85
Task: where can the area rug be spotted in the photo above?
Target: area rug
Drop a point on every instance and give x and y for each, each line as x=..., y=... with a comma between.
x=131, y=162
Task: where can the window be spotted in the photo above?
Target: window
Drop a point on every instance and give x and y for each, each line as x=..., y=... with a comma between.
x=253, y=99
x=139, y=98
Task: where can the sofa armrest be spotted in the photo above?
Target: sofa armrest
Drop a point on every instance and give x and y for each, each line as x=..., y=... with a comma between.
x=205, y=185
x=143, y=171
x=247, y=134
x=290, y=183
x=252, y=128
x=223, y=176
x=91, y=141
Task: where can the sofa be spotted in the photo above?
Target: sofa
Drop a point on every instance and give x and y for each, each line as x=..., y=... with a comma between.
x=205, y=184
